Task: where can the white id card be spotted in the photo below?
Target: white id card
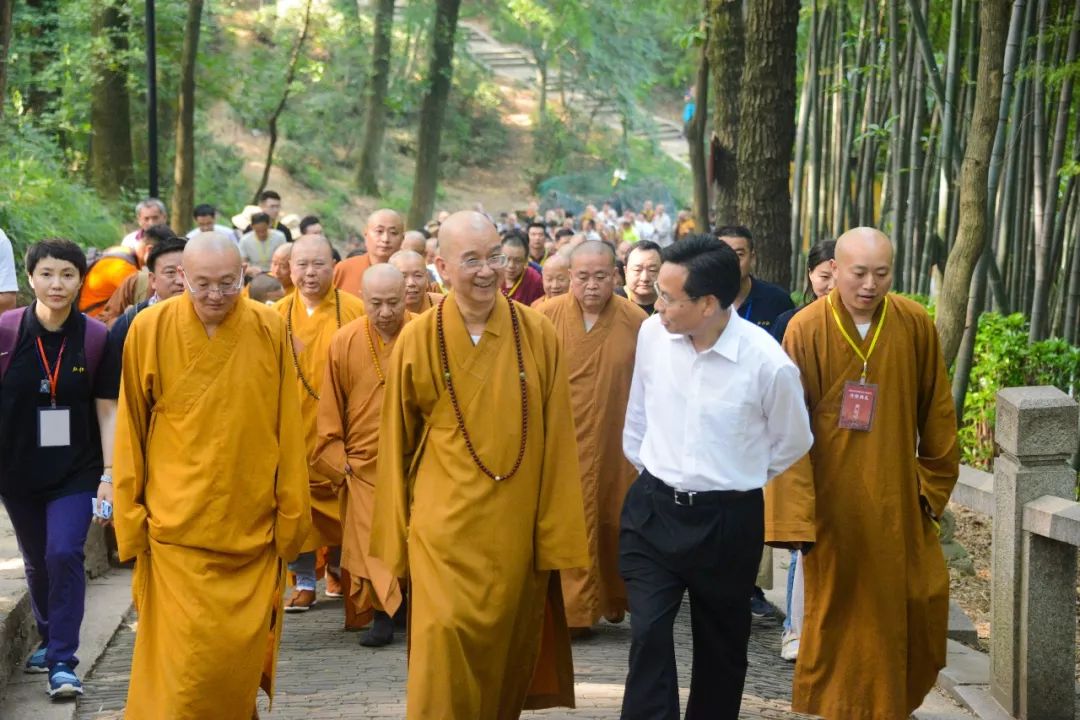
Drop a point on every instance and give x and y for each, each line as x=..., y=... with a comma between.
x=54, y=427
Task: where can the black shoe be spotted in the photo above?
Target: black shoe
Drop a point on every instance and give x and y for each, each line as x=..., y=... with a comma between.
x=762, y=608
x=380, y=633
x=401, y=617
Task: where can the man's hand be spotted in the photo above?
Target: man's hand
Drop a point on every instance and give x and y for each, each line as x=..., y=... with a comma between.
x=104, y=492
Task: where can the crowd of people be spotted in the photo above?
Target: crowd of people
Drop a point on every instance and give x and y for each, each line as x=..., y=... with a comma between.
x=492, y=433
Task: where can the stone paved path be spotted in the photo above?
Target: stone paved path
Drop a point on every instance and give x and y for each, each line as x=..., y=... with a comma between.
x=324, y=674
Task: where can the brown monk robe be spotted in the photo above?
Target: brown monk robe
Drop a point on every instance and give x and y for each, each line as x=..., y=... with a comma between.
x=477, y=496
x=348, y=441
x=417, y=296
x=876, y=607
x=313, y=312
x=598, y=333
x=211, y=493
x=382, y=236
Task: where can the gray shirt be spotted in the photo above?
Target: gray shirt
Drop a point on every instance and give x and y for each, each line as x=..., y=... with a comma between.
x=257, y=253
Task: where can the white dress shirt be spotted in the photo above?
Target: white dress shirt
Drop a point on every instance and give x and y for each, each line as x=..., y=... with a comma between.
x=8, y=279
x=729, y=418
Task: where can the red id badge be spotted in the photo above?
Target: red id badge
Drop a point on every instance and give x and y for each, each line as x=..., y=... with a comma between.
x=857, y=407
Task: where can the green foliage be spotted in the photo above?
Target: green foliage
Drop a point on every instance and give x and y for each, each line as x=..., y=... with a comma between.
x=39, y=198
x=1003, y=358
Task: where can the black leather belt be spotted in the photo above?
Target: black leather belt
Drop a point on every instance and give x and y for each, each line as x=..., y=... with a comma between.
x=692, y=498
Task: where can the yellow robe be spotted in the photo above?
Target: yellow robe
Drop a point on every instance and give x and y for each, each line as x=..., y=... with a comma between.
x=876, y=586
x=480, y=554
x=211, y=500
x=600, y=363
x=311, y=341
x=348, y=425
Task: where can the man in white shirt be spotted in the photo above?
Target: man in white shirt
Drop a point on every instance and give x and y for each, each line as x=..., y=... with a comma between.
x=9, y=284
x=148, y=213
x=716, y=410
x=206, y=221
x=663, y=226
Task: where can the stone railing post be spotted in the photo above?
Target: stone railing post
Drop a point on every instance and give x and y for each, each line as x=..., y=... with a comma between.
x=1032, y=592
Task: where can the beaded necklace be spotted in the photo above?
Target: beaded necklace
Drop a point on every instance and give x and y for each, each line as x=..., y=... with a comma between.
x=445, y=361
x=374, y=356
x=292, y=345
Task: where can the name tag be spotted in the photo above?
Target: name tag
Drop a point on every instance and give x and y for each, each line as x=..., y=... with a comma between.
x=54, y=427
x=857, y=406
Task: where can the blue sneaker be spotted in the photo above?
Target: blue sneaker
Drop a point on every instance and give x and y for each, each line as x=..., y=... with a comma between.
x=63, y=682
x=36, y=662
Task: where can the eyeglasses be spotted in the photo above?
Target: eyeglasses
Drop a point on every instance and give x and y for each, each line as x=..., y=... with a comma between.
x=668, y=300
x=204, y=289
x=495, y=262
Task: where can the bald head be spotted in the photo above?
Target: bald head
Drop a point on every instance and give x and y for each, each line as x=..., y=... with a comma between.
x=463, y=230
x=384, y=298
x=213, y=272
x=592, y=275
x=310, y=244
x=467, y=238
x=414, y=240
x=559, y=262
x=556, y=275
x=207, y=244
x=312, y=266
x=863, y=269
x=282, y=252
x=383, y=234
x=381, y=277
x=415, y=272
x=593, y=248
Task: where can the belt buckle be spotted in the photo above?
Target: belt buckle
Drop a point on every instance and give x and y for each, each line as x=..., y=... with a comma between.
x=688, y=494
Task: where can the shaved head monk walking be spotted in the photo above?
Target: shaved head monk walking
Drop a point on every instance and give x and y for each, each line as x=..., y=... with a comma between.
x=598, y=332
x=348, y=444
x=556, y=277
x=382, y=236
x=313, y=312
x=412, y=267
x=211, y=494
x=870, y=493
x=478, y=497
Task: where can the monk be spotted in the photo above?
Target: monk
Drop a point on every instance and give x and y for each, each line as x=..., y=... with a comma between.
x=417, y=296
x=382, y=236
x=313, y=312
x=279, y=266
x=870, y=492
x=348, y=444
x=477, y=496
x=556, y=277
x=211, y=493
x=521, y=281
x=598, y=333
x=414, y=240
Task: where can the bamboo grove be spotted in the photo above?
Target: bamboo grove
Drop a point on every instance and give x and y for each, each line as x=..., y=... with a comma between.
x=887, y=119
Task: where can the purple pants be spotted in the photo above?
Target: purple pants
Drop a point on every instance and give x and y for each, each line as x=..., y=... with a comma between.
x=51, y=538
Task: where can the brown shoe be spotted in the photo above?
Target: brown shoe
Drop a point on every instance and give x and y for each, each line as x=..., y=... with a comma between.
x=333, y=585
x=301, y=601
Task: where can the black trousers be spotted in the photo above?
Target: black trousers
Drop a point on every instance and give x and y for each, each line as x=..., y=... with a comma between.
x=711, y=549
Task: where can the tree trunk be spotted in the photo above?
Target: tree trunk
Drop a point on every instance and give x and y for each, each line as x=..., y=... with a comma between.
x=696, y=139
x=6, y=12
x=767, y=132
x=290, y=75
x=726, y=57
x=183, y=199
x=367, y=173
x=111, y=166
x=897, y=142
x=432, y=112
x=46, y=50
x=953, y=301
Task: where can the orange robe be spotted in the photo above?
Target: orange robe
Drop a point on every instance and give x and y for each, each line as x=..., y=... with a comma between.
x=601, y=365
x=104, y=276
x=430, y=300
x=877, y=590
x=487, y=629
x=348, y=425
x=311, y=346
x=349, y=273
x=211, y=501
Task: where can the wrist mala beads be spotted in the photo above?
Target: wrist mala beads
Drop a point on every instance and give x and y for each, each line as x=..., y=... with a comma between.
x=445, y=362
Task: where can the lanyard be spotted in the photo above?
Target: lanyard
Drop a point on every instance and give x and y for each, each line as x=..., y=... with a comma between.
x=51, y=374
x=510, y=293
x=749, y=306
x=873, y=342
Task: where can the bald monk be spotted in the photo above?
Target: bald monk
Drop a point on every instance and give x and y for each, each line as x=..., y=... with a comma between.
x=211, y=494
x=417, y=297
x=556, y=276
x=870, y=492
x=382, y=237
x=279, y=266
x=598, y=333
x=348, y=443
x=313, y=312
x=414, y=240
x=265, y=288
x=483, y=484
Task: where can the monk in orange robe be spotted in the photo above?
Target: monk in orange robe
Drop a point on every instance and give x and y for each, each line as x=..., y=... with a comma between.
x=418, y=297
x=556, y=277
x=348, y=444
x=598, y=333
x=382, y=236
x=211, y=493
x=869, y=495
x=477, y=496
x=313, y=312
